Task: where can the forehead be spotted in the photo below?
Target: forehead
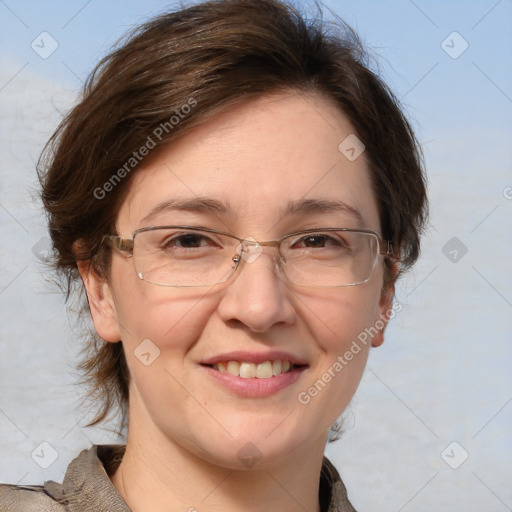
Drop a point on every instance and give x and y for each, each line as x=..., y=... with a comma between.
x=261, y=160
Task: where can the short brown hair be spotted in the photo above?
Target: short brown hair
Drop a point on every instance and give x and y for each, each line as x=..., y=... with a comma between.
x=211, y=56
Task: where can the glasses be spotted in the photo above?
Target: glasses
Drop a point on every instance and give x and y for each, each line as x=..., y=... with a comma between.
x=185, y=256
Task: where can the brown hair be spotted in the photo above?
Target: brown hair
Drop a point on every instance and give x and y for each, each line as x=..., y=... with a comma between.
x=172, y=74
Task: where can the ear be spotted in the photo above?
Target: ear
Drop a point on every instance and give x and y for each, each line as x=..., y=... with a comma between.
x=101, y=302
x=385, y=306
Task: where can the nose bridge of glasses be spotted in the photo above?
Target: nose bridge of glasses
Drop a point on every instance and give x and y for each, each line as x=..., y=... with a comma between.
x=249, y=249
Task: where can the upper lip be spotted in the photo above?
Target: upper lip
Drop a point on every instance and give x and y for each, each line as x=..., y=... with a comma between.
x=254, y=357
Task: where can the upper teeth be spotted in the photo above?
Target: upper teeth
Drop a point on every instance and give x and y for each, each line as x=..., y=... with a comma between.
x=263, y=370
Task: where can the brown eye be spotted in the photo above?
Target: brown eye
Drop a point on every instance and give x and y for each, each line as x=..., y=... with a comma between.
x=315, y=241
x=319, y=241
x=187, y=241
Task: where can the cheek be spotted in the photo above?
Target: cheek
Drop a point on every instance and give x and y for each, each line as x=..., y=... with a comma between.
x=171, y=318
x=338, y=322
x=337, y=318
x=159, y=328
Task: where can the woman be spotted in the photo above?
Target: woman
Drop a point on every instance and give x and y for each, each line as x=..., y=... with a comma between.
x=238, y=194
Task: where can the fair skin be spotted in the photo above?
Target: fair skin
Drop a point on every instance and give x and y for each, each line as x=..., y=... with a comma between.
x=186, y=428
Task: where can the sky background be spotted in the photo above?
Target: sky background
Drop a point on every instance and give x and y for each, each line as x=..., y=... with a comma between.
x=443, y=374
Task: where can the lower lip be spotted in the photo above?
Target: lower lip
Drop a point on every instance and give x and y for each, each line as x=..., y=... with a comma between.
x=254, y=387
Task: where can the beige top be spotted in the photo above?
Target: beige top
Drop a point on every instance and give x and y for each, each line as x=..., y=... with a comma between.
x=87, y=487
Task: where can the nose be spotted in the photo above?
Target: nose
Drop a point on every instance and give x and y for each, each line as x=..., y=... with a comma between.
x=256, y=296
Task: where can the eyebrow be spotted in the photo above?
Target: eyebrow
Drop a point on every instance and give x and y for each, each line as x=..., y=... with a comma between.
x=195, y=204
x=309, y=206
x=293, y=208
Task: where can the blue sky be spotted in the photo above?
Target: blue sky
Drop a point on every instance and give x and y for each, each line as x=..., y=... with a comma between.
x=406, y=34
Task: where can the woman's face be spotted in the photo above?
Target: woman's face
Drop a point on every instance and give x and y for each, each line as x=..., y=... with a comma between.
x=257, y=160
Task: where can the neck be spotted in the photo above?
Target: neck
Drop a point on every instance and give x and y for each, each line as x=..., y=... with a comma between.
x=158, y=474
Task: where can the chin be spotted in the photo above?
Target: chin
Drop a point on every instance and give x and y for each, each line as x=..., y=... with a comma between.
x=254, y=449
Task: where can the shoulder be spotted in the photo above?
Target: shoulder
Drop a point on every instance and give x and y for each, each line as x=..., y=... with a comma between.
x=333, y=493
x=86, y=487
x=28, y=498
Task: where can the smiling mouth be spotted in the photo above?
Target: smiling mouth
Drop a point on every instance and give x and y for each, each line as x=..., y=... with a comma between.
x=247, y=370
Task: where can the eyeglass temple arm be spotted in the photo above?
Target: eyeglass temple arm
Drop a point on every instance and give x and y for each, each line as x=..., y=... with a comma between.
x=386, y=247
x=123, y=244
